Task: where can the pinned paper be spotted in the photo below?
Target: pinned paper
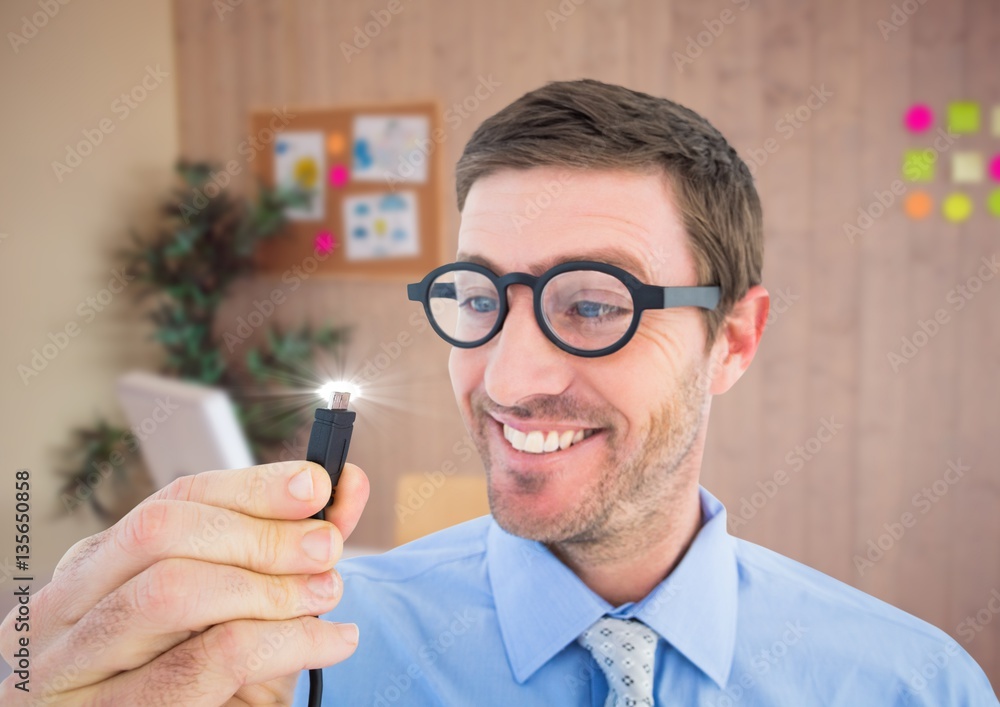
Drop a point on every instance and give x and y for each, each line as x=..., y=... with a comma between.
x=963, y=117
x=957, y=207
x=967, y=168
x=995, y=127
x=298, y=163
x=391, y=148
x=918, y=165
x=338, y=175
x=918, y=205
x=381, y=226
x=918, y=118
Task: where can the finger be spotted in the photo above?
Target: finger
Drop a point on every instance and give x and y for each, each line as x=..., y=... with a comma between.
x=159, y=530
x=284, y=490
x=349, y=500
x=209, y=668
x=291, y=490
x=167, y=603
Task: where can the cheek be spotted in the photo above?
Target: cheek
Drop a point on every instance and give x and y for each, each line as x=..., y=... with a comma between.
x=465, y=371
x=667, y=341
x=645, y=373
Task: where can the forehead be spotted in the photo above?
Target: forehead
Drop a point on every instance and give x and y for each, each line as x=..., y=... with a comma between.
x=529, y=220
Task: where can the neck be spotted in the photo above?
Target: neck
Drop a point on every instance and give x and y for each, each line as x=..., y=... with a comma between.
x=628, y=564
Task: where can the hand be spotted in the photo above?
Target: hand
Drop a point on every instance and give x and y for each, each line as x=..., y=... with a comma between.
x=204, y=594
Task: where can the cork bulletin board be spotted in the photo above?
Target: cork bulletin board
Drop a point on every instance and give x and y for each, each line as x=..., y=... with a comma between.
x=374, y=178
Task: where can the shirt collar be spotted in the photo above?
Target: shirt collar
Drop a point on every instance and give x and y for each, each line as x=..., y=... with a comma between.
x=542, y=606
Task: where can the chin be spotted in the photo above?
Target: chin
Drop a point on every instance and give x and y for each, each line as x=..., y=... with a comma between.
x=524, y=524
x=538, y=507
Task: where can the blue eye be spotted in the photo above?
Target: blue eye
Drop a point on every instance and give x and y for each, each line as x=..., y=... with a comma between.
x=593, y=310
x=481, y=305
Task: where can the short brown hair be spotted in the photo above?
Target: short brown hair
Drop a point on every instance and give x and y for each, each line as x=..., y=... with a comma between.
x=587, y=124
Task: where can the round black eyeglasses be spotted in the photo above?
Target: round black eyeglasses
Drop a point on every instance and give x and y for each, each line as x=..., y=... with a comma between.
x=585, y=308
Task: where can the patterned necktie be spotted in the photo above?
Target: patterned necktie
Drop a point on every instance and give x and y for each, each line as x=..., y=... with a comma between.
x=626, y=652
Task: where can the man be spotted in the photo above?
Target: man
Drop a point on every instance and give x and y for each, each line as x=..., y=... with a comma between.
x=509, y=609
x=589, y=337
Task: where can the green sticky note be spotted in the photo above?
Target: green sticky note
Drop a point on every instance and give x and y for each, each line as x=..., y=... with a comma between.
x=963, y=117
x=918, y=165
x=993, y=204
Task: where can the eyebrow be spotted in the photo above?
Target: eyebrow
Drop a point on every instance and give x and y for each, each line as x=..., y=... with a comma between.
x=610, y=256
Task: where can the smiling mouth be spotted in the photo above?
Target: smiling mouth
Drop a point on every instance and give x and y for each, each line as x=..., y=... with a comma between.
x=544, y=441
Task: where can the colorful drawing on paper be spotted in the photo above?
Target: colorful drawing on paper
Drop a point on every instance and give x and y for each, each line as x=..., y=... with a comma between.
x=299, y=162
x=384, y=225
x=391, y=148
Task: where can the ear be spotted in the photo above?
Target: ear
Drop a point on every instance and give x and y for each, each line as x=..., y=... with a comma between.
x=738, y=339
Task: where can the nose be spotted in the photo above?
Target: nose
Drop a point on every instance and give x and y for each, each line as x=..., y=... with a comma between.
x=522, y=362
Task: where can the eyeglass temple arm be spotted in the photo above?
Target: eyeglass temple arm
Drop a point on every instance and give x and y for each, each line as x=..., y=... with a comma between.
x=445, y=290
x=705, y=297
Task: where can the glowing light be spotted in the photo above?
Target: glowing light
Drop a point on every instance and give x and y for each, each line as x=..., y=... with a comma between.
x=328, y=389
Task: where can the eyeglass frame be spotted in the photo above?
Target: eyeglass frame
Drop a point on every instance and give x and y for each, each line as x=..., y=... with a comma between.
x=643, y=297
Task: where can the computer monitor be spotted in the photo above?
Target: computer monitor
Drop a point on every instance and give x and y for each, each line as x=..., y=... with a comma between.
x=182, y=428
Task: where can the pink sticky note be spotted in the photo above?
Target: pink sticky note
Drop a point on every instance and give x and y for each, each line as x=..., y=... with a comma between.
x=338, y=175
x=919, y=118
x=324, y=242
x=995, y=168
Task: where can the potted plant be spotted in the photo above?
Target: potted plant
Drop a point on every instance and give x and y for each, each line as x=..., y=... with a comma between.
x=185, y=269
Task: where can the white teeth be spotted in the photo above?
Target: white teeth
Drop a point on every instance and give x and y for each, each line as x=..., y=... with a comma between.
x=535, y=442
x=539, y=442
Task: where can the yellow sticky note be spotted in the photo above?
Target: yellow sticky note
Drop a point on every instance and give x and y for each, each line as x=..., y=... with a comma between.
x=996, y=121
x=967, y=167
x=957, y=207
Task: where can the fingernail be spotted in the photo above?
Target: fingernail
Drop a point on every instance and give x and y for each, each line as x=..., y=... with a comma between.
x=349, y=632
x=318, y=544
x=326, y=585
x=301, y=486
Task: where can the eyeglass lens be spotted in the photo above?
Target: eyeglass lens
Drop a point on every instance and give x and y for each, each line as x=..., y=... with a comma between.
x=585, y=309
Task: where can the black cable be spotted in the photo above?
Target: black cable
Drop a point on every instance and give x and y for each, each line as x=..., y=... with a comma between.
x=328, y=442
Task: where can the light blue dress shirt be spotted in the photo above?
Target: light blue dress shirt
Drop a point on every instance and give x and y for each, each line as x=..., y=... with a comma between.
x=475, y=616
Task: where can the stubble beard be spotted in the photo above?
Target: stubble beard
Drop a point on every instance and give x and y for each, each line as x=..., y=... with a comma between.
x=633, y=500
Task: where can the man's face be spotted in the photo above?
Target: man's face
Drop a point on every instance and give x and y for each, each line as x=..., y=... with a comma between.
x=642, y=409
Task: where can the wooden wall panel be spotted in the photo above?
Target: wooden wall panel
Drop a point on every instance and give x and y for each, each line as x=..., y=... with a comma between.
x=851, y=301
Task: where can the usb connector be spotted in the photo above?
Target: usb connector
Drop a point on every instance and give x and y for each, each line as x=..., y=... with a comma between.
x=328, y=442
x=338, y=400
x=331, y=436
